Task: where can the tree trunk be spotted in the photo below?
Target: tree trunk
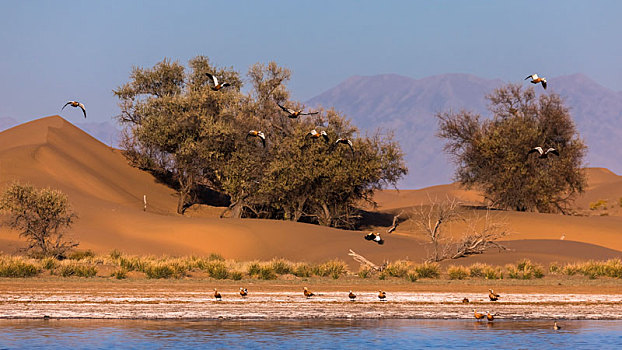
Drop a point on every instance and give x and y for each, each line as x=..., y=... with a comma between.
x=325, y=217
x=237, y=208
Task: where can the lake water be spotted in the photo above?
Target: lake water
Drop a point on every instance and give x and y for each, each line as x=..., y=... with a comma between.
x=309, y=334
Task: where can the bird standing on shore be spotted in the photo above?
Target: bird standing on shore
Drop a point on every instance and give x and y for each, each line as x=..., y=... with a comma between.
x=373, y=236
x=490, y=316
x=75, y=104
x=535, y=79
x=382, y=295
x=465, y=300
x=492, y=295
x=217, y=86
x=478, y=316
x=307, y=293
x=295, y=113
x=217, y=295
x=556, y=326
x=352, y=296
x=544, y=154
x=243, y=292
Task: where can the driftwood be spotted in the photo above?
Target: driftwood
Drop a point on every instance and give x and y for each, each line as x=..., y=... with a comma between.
x=361, y=260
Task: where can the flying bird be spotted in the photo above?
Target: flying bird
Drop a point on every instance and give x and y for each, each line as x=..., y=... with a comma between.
x=307, y=293
x=478, y=316
x=345, y=142
x=535, y=79
x=217, y=295
x=382, y=295
x=256, y=133
x=316, y=135
x=372, y=236
x=216, y=86
x=294, y=113
x=493, y=296
x=352, y=296
x=243, y=292
x=544, y=154
x=75, y=104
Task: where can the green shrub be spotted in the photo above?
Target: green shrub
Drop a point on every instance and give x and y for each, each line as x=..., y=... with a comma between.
x=165, y=270
x=493, y=273
x=254, y=269
x=554, y=268
x=115, y=254
x=302, y=270
x=524, y=270
x=236, y=275
x=18, y=267
x=478, y=270
x=217, y=269
x=120, y=274
x=428, y=270
x=365, y=272
x=81, y=254
x=281, y=266
x=411, y=276
x=133, y=263
x=73, y=269
x=266, y=272
x=398, y=269
x=215, y=257
x=599, y=204
x=457, y=272
x=49, y=263
x=332, y=268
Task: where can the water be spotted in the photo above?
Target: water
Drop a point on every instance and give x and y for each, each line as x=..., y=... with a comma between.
x=309, y=334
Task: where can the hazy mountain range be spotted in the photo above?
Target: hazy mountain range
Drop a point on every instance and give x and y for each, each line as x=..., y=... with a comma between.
x=408, y=107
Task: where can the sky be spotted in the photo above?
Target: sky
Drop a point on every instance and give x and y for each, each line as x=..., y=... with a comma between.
x=55, y=51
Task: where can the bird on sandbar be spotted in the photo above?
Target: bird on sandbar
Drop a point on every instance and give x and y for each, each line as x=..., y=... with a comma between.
x=307, y=293
x=542, y=153
x=352, y=296
x=217, y=295
x=492, y=295
x=259, y=134
x=489, y=316
x=478, y=316
x=556, y=326
x=217, y=86
x=535, y=79
x=345, y=142
x=75, y=104
x=295, y=113
x=313, y=134
x=373, y=236
x=465, y=300
x=382, y=295
x=243, y=292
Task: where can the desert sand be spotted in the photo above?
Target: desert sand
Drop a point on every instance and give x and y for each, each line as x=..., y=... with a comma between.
x=106, y=193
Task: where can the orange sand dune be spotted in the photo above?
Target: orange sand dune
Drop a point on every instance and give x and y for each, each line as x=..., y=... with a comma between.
x=107, y=195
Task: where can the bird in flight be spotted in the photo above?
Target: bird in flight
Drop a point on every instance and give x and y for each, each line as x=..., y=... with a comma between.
x=316, y=135
x=372, y=236
x=535, y=79
x=75, y=104
x=345, y=142
x=544, y=154
x=295, y=113
x=216, y=86
x=259, y=134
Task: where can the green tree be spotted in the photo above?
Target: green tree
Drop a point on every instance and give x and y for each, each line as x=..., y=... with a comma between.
x=42, y=216
x=492, y=154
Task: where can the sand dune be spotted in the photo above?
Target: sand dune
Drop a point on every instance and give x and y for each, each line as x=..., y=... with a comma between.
x=106, y=193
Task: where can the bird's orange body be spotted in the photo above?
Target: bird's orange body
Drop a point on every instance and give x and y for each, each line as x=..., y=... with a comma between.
x=382, y=295
x=352, y=296
x=307, y=293
x=490, y=316
x=217, y=295
x=477, y=315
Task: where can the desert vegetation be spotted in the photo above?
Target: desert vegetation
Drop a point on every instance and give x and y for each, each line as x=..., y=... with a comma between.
x=120, y=266
x=196, y=139
x=493, y=154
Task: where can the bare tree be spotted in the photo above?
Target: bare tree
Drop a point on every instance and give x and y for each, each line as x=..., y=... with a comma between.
x=481, y=233
x=430, y=220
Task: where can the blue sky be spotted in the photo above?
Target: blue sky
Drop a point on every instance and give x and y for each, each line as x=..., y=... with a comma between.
x=52, y=51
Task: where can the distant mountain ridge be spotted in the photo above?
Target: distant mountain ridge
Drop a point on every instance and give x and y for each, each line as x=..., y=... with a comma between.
x=408, y=107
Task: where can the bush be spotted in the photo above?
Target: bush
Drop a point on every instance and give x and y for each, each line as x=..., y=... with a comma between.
x=281, y=266
x=332, y=268
x=115, y=254
x=214, y=256
x=599, y=204
x=254, y=269
x=236, y=275
x=478, y=270
x=17, y=267
x=165, y=270
x=81, y=254
x=493, y=273
x=266, y=272
x=365, y=272
x=457, y=272
x=133, y=263
x=302, y=270
x=398, y=269
x=524, y=270
x=217, y=269
x=554, y=268
x=74, y=269
x=49, y=263
x=120, y=274
x=411, y=276
x=428, y=270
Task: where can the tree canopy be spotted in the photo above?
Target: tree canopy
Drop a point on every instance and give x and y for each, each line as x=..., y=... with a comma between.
x=180, y=128
x=493, y=154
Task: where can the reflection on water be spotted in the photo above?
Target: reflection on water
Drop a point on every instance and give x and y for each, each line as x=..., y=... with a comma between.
x=309, y=334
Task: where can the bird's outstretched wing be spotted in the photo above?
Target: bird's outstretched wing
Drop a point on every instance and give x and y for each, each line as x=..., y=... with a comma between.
x=68, y=103
x=325, y=137
x=544, y=84
x=536, y=149
x=83, y=109
x=290, y=111
x=529, y=77
x=552, y=150
x=370, y=236
x=213, y=78
x=310, y=113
